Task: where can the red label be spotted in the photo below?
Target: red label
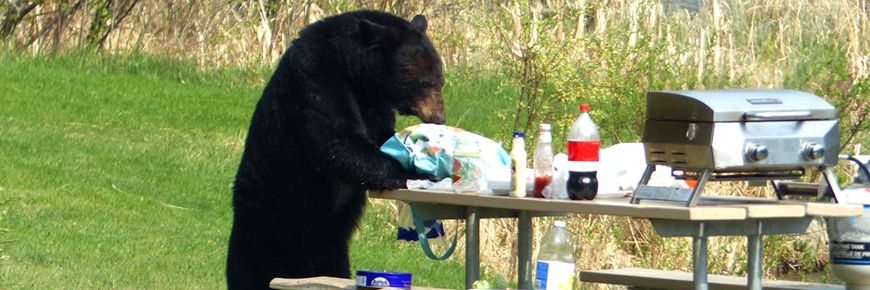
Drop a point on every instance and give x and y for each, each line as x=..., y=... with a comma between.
x=583, y=150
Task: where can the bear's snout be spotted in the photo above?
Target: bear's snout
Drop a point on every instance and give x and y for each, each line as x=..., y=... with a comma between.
x=439, y=120
x=430, y=109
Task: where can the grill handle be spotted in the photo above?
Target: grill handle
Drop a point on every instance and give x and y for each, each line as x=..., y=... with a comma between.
x=786, y=115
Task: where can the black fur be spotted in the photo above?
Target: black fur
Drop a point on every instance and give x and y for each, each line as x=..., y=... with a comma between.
x=312, y=147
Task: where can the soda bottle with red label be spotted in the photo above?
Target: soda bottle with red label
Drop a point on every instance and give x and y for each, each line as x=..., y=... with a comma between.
x=584, y=143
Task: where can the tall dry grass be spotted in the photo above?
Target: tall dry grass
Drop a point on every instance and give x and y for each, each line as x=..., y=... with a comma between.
x=743, y=36
x=212, y=32
x=558, y=52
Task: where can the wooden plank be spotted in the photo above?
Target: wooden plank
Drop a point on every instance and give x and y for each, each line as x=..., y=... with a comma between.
x=648, y=209
x=829, y=209
x=439, y=211
x=823, y=209
x=319, y=283
x=758, y=208
x=617, y=206
x=322, y=283
x=683, y=280
x=761, y=211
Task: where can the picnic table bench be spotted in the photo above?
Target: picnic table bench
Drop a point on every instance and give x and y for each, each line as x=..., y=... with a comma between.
x=659, y=279
x=321, y=283
x=713, y=216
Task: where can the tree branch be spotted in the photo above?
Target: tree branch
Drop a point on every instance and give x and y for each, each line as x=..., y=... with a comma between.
x=13, y=17
x=116, y=22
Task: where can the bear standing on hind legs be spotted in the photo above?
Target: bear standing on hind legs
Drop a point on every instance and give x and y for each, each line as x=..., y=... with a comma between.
x=313, y=145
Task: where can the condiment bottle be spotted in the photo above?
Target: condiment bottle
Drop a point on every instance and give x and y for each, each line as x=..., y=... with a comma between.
x=518, y=166
x=542, y=161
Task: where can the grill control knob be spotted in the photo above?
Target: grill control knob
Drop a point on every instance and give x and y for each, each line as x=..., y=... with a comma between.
x=814, y=151
x=756, y=152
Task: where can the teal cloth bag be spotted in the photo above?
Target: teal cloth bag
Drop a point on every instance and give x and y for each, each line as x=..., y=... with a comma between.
x=424, y=240
x=439, y=164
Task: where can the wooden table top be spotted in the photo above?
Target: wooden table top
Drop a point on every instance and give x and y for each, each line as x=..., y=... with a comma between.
x=708, y=208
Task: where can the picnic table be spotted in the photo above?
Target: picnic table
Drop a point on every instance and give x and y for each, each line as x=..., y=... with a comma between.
x=713, y=216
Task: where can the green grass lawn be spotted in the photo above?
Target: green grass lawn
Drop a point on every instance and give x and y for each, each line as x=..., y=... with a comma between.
x=116, y=172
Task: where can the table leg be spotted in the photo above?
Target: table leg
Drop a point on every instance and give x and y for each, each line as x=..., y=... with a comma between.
x=524, y=250
x=699, y=259
x=472, y=246
x=754, y=256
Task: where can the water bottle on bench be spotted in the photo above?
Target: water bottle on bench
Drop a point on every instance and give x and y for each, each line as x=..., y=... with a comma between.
x=555, y=264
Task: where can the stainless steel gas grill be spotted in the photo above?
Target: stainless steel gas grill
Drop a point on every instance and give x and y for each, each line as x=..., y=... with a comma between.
x=763, y=134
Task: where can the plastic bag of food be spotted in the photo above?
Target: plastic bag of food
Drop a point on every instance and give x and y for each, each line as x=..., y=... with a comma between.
x=430, y=148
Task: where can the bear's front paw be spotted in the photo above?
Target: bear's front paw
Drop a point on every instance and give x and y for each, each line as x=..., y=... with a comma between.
x=424, y=176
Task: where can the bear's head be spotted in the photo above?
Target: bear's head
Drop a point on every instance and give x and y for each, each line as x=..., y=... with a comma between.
x=414, y=76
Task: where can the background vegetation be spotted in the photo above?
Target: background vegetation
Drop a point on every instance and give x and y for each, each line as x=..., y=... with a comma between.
x=86, y=136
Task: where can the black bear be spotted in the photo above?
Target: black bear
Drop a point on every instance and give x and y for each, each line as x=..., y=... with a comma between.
x=313, y=145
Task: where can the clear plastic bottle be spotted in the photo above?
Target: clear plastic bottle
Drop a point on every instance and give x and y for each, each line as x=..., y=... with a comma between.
x=518, y=165
x=542, y=161
x=555, y=265
x=584, y=143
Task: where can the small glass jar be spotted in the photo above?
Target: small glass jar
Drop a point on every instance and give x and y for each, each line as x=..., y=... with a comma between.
x=467, y=165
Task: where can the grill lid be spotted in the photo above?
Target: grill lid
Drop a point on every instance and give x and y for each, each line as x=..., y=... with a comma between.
x=737, y=105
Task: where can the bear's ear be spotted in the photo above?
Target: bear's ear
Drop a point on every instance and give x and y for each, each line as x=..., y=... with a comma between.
x=420, y=23
x=373, y=34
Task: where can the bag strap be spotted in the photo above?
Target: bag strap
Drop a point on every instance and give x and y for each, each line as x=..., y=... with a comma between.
x=424, y=241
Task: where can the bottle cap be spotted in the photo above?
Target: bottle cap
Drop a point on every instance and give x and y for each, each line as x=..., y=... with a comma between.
x=519, y=134
x=545, y=126
x=584, y=107
x=560, y=224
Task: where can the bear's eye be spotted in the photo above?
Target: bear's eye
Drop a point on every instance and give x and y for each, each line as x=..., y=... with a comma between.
x=426, y=84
